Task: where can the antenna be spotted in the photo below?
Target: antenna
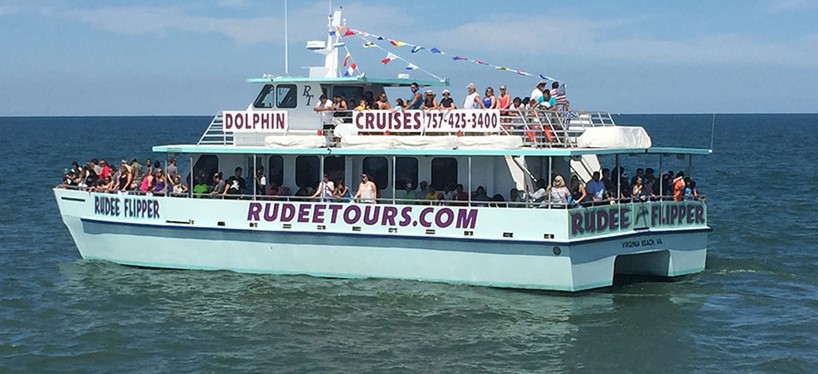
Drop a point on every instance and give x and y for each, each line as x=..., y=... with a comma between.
x=286, y=43
x=712, y=131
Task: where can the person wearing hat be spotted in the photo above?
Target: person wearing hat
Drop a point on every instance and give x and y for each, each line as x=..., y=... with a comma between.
x=447, y=102
x=367, y=190
x=472, y=98
x=536, y=93
x=429, y=101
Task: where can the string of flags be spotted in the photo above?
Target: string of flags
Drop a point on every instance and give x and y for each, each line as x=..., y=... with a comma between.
x=414, y=48
x=389, y=55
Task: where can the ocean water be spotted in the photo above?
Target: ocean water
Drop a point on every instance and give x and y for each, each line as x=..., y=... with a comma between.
x=754, y=309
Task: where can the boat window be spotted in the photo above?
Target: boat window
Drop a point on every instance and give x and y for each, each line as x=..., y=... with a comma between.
x=444, y=171
x=378, y=171
x=307, y=171
x=335, y=167
x=275, y=173
x=406, y=172
x=205, y=168
x=286, y=96
x=265, y=97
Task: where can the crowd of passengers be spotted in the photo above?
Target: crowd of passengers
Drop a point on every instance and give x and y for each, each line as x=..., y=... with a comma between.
x=130, y=177
x=602, y=188
x=541, y=98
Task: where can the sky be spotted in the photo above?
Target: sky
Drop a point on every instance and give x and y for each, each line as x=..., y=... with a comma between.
x=193, y=57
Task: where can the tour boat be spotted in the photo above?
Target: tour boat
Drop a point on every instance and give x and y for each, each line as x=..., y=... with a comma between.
x=486, y=239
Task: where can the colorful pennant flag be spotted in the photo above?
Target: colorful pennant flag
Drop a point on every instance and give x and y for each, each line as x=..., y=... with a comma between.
x=417, y=48
x=346, y=58
x=389, y=57
x=351, y=70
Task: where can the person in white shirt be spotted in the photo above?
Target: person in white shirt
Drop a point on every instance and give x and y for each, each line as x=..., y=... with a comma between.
x=324, y=107
x=325, y=189
x=536, y=93
x=472, y=98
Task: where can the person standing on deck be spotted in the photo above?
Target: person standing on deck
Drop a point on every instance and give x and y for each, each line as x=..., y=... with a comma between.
x=324, y=107
x=472, y=98
x=325, y=189
x=536, y=93
x=416, y=100
x=367, y=190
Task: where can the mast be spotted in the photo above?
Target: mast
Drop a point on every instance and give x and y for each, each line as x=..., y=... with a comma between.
x=327, y=48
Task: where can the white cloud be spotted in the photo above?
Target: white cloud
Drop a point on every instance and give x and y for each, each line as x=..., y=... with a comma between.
x=580, y=38
x=515, y=35
x=307, y=22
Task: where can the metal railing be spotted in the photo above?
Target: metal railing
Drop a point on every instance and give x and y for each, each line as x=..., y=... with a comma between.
x=537, y=128
x=215, y=134
x=527, y=203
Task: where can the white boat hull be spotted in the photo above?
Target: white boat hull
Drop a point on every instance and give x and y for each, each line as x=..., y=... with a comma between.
x=554, y=264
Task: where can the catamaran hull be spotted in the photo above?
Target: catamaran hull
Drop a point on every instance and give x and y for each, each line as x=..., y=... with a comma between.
x=547, y=265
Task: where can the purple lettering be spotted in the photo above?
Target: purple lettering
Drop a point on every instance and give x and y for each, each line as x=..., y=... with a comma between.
x=354, y=217
x=389, y=214
x=625, y=218
x=423, y=214
x=334, y=208
x=406, y=216
x=303, y=213
x=444, y=218
x=690, y=210
x=590, y=222
x=700, y=214
x=369, y=119
x=287, y=212
x=155, y=209
x=466, y=218
x=576, y=224
x=371, y=214
x=674, y=213
x=613, y=222
x=281, y=123
x=601, y=220
x=318, y=213
x=253, y=211
x=270, y=212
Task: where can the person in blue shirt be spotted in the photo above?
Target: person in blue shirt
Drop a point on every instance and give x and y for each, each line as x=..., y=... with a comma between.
x=595, y=187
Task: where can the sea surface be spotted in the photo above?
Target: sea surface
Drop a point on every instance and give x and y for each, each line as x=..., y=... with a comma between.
x=754, y=309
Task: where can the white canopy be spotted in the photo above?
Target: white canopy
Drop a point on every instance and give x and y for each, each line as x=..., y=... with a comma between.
x=614, y=137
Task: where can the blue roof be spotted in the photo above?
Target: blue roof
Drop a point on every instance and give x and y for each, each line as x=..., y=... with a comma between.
x=397, y=82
